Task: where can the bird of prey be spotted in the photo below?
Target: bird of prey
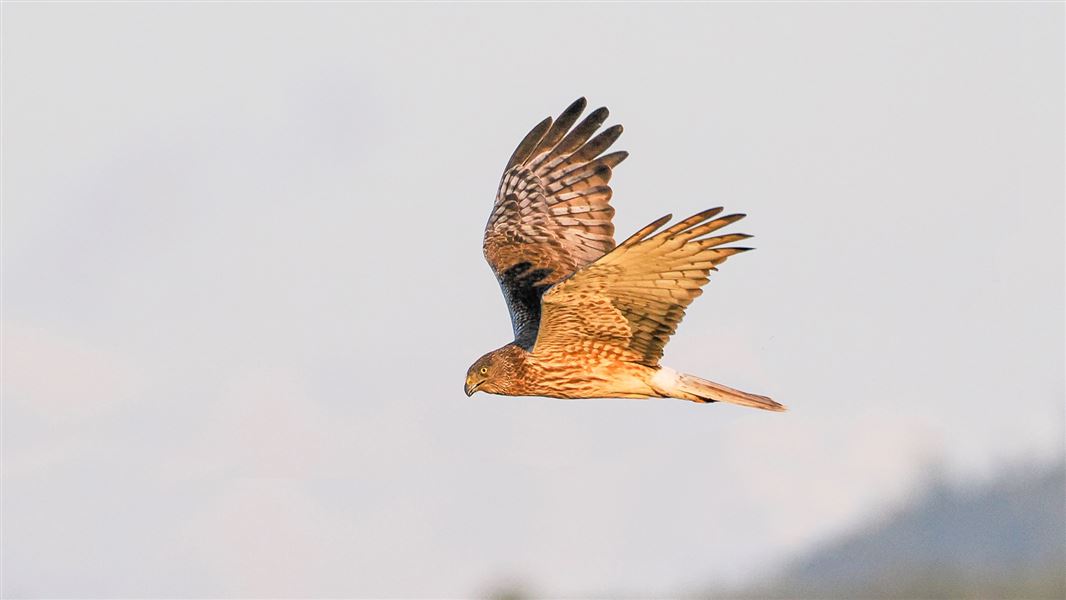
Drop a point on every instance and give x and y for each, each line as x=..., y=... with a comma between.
x=591, y=318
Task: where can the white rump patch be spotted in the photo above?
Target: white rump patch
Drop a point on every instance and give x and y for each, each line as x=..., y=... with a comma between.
x=665, y=380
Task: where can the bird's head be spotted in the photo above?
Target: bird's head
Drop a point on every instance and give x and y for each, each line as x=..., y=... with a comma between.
x=480, y=374
x=492, y=372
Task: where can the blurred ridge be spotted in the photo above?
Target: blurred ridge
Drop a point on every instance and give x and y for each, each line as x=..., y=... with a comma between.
x=1004, y=539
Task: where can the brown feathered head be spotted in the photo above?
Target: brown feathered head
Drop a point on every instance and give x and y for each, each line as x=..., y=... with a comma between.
x=494, y=372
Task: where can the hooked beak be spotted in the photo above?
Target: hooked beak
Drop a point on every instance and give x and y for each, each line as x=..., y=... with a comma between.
x=471, y=388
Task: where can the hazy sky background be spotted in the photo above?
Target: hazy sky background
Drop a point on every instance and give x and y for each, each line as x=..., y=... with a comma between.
x=242, y=282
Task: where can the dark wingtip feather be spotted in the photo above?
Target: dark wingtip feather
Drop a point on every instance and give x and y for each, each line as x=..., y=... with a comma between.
x=566, y=120
x=693, y=221
x=581, y=133
x=528, y=143
x=600, y=114
x=661, y=220
x=647, y=230
x=614, y=158
x=577, y=106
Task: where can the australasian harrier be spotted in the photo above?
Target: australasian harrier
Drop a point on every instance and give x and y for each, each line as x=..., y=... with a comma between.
x=591, y=318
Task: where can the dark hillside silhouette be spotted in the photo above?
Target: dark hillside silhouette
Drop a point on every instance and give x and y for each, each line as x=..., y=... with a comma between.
x=1005, y=539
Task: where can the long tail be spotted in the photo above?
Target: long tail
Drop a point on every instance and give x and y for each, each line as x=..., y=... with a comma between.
x=673, y=384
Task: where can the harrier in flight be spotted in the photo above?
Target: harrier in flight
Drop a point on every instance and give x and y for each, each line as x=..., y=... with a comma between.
x=590, y=317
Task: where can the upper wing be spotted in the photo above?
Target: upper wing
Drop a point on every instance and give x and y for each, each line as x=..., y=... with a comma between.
x=552, y=214
x=630, y=301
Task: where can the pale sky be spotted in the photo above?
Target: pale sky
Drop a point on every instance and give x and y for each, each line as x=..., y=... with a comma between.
x=242, y=282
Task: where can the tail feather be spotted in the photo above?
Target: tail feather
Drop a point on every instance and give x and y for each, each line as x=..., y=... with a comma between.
x=689, y=387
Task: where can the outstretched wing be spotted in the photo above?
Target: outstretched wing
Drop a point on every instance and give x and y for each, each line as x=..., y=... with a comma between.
x=630, y=301
x=552, y=214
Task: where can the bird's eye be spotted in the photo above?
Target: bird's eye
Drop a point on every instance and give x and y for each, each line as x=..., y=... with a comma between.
x=484, y=370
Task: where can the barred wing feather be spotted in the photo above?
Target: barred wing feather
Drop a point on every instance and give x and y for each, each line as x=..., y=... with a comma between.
x=552, y=213
x=631, y=300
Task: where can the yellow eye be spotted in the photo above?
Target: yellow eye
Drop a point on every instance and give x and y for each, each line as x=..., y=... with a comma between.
x=484, y=370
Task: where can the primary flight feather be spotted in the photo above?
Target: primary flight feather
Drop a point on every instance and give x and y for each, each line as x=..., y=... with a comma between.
x=590, y=318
